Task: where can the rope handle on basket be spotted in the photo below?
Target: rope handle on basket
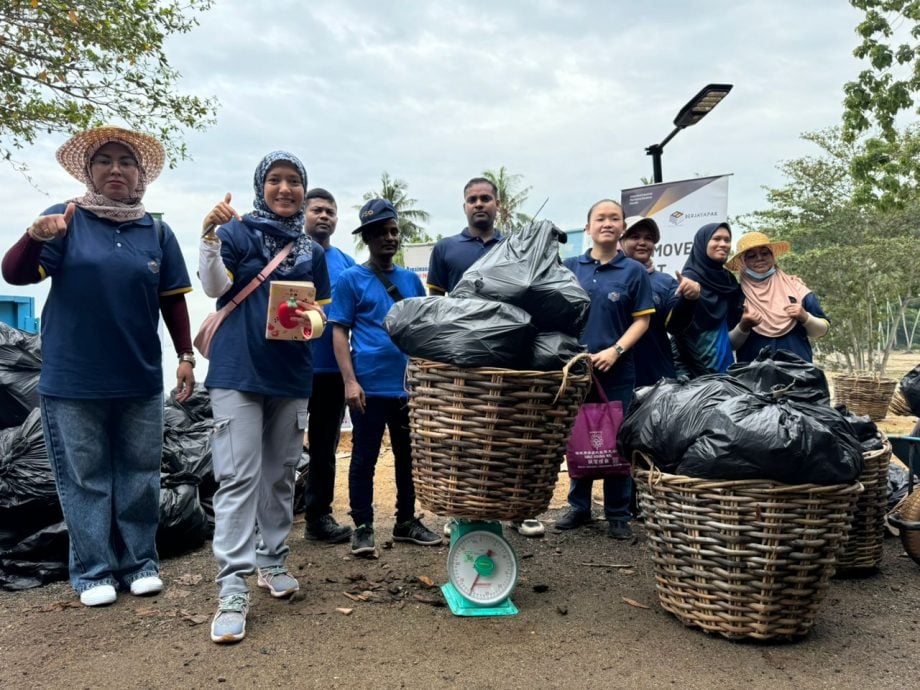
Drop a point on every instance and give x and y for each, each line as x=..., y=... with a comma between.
x=565, y=373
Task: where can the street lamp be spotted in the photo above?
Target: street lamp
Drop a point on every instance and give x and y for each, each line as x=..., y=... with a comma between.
x=695, y=110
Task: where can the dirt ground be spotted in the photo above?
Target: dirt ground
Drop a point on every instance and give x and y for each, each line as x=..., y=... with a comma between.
x=382, y=624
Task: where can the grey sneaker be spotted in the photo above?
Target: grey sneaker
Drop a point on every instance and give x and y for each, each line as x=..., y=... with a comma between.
x=362, y=540
x=278, y=581
x=413, y=530
x=229, y=624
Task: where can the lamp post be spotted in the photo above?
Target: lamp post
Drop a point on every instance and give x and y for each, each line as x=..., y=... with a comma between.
x=695, y=110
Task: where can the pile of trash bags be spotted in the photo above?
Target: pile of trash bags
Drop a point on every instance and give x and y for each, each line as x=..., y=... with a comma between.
x=910, y=389
x=768, y=419
x=517, y=307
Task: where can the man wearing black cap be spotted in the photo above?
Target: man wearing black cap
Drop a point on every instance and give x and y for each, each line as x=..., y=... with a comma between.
x=373, y=370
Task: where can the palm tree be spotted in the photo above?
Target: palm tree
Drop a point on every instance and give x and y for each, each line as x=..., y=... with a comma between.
x=510, y=199
x=395, y=191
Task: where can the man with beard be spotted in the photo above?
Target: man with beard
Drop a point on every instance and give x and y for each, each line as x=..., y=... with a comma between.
x=451, y=257
x=327, y=403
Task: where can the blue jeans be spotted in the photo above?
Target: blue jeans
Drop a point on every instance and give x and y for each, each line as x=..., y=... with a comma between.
x=105, y=455
x=367, y=433
x=617, y=489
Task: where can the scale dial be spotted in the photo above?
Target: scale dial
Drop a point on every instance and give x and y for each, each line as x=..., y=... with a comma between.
x=482, y=567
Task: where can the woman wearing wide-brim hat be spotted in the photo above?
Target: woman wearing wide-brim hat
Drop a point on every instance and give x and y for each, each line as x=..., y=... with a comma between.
x=780, y=311
x=113, y=271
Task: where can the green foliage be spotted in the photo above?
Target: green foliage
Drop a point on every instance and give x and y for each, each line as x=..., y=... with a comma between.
x=396, y=191
x=511, y=197
x=66, y=66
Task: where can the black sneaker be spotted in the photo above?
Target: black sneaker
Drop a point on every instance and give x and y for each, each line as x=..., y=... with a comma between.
x=362, y=540
x=327, y=529
x=619, y=529
x=573, y=519
x=413, y=530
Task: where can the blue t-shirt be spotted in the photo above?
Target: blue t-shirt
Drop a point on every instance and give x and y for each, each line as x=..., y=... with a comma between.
x=323, y=356
x=99, y=324
x=620, y=291
x=795, y=340
x=451, y=257
x=361, y=303
x=242, y=358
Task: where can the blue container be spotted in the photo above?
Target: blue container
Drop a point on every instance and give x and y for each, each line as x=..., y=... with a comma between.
x=19, y=312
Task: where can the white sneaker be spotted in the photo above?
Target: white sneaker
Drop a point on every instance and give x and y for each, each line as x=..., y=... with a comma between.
x=448, y=527
x=146, y=585
x=100, y=595
x=530, y=528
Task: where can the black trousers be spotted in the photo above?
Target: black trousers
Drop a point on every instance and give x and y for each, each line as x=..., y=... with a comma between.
x=327, y=409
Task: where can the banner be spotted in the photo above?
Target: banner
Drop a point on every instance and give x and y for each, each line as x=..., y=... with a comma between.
x=680, y=209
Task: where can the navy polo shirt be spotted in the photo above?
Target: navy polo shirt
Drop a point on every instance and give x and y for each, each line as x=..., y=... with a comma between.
x=99, y=323
x=242, y=358
x=620, y=291
x=324, y=362
x=360, y=302
x=451, y=257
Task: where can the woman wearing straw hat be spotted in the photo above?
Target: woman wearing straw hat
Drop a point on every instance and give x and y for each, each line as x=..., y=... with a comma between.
x=259, y=388
x=113, y=270
x=705, y=347
x=780, y=312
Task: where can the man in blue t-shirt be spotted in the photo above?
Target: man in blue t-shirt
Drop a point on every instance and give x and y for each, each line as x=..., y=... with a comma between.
x=373, y=370
x=327, y=403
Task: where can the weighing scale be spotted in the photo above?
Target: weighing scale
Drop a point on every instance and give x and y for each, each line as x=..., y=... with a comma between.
x=482, y=569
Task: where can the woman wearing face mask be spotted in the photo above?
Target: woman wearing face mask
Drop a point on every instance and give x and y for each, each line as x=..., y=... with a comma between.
x=113, y=270
x=705, y=346
x=259, y=388
x=780, y=312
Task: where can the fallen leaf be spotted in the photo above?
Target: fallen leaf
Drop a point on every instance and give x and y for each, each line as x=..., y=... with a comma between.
x=431, y=601
x=425, y=580
x=173, y=593
x=345, y=612
x=633, y=602
x=189, y=580
x=59, y=606
x=355, y=597
x=194, y=618
x=147, y=611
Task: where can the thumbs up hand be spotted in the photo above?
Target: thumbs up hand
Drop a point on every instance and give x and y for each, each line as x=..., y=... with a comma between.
x=687, y=287
x=220, y=214
x=48, y=227
x=750, y=318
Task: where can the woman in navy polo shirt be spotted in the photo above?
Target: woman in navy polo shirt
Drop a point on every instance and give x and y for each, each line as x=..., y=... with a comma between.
x=113, y=270
x=621, y=306
x=259, y=388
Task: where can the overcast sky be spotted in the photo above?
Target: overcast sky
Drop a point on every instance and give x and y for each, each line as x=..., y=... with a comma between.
x=568, y=94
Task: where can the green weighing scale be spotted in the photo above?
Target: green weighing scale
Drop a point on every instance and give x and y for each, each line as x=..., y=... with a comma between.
x=482, y=570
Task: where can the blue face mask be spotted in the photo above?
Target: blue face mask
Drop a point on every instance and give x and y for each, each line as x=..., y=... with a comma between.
x=759, y=276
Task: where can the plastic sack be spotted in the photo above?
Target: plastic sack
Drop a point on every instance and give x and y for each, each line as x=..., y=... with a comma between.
x=782, y=369
x=525, y=270
x=301, y=472
x=462, y=332
x=910, y=387
x=665, y=419
x=20, y=366
x=36, y=560
x=552, y=351
x=756, y=437
x=183, y=524
x=864, y=428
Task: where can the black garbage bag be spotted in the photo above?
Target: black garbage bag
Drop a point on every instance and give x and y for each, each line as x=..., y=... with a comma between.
x=20, y=366
x=183, y=524
x=197, y=408
x=39, y=558
x=898, y=478
x=864, y=429
x=28, y=496
x=301, y=472
x=782, y=369
x=757, y=437
x=665, y=419
x=552, y=351
x=462, y=332
x=187, y=432
x=910, y=387
x=525, y=270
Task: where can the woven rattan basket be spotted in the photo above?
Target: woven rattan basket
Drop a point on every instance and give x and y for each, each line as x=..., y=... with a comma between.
x=899, y=405
x=864, y=394
x=906, y=517
x=863, y=549
x=744, y=559
x=488, y=443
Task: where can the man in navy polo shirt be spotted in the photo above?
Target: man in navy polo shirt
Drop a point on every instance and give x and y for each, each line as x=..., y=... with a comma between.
x=621, y=307
x=373, y=370
x=327, y=403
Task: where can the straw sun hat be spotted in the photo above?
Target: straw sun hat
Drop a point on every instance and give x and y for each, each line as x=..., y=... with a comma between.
x=74, y=154
x=751, y=240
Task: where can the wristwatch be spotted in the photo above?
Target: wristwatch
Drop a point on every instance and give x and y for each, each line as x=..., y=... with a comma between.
x=187, y=357
x=619, y=350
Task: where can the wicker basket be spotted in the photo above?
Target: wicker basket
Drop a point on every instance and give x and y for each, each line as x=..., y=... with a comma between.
x=488, y=443
x=899, y=405
x=863, y=550
x=864, y=394
x=747, y=558
x=906, y=517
